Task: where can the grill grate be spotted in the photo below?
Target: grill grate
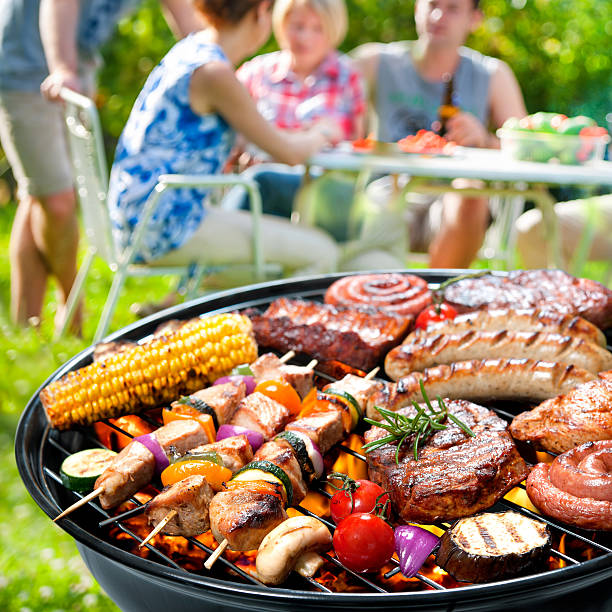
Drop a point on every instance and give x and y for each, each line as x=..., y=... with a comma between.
x=560, y=531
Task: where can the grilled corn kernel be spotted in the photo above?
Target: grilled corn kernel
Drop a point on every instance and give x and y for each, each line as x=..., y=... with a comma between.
x=153, y=373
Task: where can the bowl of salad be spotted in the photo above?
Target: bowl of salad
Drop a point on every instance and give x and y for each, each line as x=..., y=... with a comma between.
x=553, y=138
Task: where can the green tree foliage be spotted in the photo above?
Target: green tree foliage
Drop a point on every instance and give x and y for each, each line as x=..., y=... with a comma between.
x=558, y=49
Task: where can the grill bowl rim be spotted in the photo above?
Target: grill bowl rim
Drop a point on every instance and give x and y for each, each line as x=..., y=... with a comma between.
x=30, y=434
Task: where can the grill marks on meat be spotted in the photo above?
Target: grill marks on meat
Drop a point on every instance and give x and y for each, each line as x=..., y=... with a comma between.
x=134, y=466
x=270, y=367
x=528, y=320
x=456, y=475
x=223, y=399
x=244, y=517
x=358, y=337
x=482, y=380
x=260, y=413
x=419, y=352
x=190, y=498
x=584, y=414
x=552, y=290
x=280, y=453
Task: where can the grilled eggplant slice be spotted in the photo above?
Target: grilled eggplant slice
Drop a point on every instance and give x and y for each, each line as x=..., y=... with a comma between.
x=494, y=546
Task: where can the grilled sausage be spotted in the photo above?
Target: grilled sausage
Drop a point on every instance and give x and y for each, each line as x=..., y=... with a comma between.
x=424, y=351
x=519, y=320
x=585, y=471
x=482, y=380
x=583, y=512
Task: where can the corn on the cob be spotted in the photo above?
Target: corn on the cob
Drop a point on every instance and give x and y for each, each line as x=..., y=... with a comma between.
x=151, y=374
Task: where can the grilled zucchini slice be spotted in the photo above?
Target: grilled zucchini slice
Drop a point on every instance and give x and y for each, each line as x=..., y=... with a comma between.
x=80, y=471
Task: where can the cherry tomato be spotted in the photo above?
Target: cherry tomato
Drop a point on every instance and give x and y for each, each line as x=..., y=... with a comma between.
x=364, y=542
x=364, y=494
x=281, y=392
x=435, y=313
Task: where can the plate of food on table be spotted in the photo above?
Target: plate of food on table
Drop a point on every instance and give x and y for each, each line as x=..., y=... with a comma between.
x=460, y=394
x=424, y=142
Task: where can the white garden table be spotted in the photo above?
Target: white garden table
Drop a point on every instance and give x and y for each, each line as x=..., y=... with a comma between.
x=501, y=175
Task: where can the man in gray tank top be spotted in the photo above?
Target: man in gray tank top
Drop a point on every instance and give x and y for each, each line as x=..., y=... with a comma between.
x=407, y=84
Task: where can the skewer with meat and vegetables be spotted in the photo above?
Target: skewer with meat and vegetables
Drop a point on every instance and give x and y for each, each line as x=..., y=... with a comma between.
x=227, y=406
x=253, y=501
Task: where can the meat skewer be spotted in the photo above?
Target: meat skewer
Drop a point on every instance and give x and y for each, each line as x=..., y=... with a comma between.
x=135, y=465
x=230, y=510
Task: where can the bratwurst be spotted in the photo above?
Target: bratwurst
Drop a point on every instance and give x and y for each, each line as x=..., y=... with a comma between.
x=420, y=351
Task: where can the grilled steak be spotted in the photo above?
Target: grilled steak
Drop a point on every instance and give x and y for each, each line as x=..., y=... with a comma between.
x=357, y=336
x=552, y=290
x=244, y=517
x=584, y=414
x=190, y=498
x=455, y=475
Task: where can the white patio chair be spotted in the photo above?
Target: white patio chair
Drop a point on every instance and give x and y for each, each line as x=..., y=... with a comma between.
x=91, y=183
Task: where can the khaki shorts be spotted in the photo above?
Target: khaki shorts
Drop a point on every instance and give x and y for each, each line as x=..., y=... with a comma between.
x=33, y=139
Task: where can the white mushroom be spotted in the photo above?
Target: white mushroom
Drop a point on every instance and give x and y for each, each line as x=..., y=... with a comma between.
x=280, y=549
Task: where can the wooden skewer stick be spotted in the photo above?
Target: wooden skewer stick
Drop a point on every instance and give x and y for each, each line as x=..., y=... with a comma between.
x=159, y=527
x=80, y=503
x=287, y=356
x=372, y=373
x=312, y=365
x=216, y=554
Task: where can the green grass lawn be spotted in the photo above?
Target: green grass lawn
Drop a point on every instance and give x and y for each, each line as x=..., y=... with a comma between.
x=40, y=568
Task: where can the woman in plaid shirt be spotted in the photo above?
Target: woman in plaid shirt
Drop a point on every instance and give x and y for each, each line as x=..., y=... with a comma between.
x=307, y=80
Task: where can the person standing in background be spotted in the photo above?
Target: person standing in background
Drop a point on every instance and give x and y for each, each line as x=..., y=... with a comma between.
x=408, y=83
x=60, y=52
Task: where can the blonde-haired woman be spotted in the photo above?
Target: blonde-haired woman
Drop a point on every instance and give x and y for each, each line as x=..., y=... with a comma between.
x=305, y=81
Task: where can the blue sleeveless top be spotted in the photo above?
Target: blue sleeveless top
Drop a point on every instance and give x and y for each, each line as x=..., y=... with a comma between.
x=164, y=136
x=407, y=103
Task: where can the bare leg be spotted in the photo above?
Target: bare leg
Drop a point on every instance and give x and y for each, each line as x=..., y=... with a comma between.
x=28, y=269
x=464, y=223
x=43, y=243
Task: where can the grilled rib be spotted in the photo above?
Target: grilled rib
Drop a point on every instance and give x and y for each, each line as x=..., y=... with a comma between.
x=358, y=337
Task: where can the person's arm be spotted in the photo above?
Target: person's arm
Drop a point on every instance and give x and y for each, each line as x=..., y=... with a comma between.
x=505, y=100
x=215, y=88
x=58, y=27
x=182, y=18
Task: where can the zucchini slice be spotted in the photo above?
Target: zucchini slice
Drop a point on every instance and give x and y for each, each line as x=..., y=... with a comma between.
x=80, y=471
x=356, y=412
x=266, y=470
x=301, y=453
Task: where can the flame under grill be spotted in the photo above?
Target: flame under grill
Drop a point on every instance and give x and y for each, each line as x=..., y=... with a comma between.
x=578, y=557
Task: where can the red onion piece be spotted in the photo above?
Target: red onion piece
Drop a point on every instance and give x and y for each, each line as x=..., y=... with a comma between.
x=249, y=381
x=413, y=545
x=255, y=438
x=150, y=441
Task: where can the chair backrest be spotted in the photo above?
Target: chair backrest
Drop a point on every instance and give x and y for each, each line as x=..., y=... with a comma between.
x=90, y=171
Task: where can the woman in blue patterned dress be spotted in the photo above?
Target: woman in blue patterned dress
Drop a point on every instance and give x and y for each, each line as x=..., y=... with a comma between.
x=184, y=122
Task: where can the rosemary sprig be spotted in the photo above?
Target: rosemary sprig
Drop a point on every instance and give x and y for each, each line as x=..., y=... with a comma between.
x=422, y=425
